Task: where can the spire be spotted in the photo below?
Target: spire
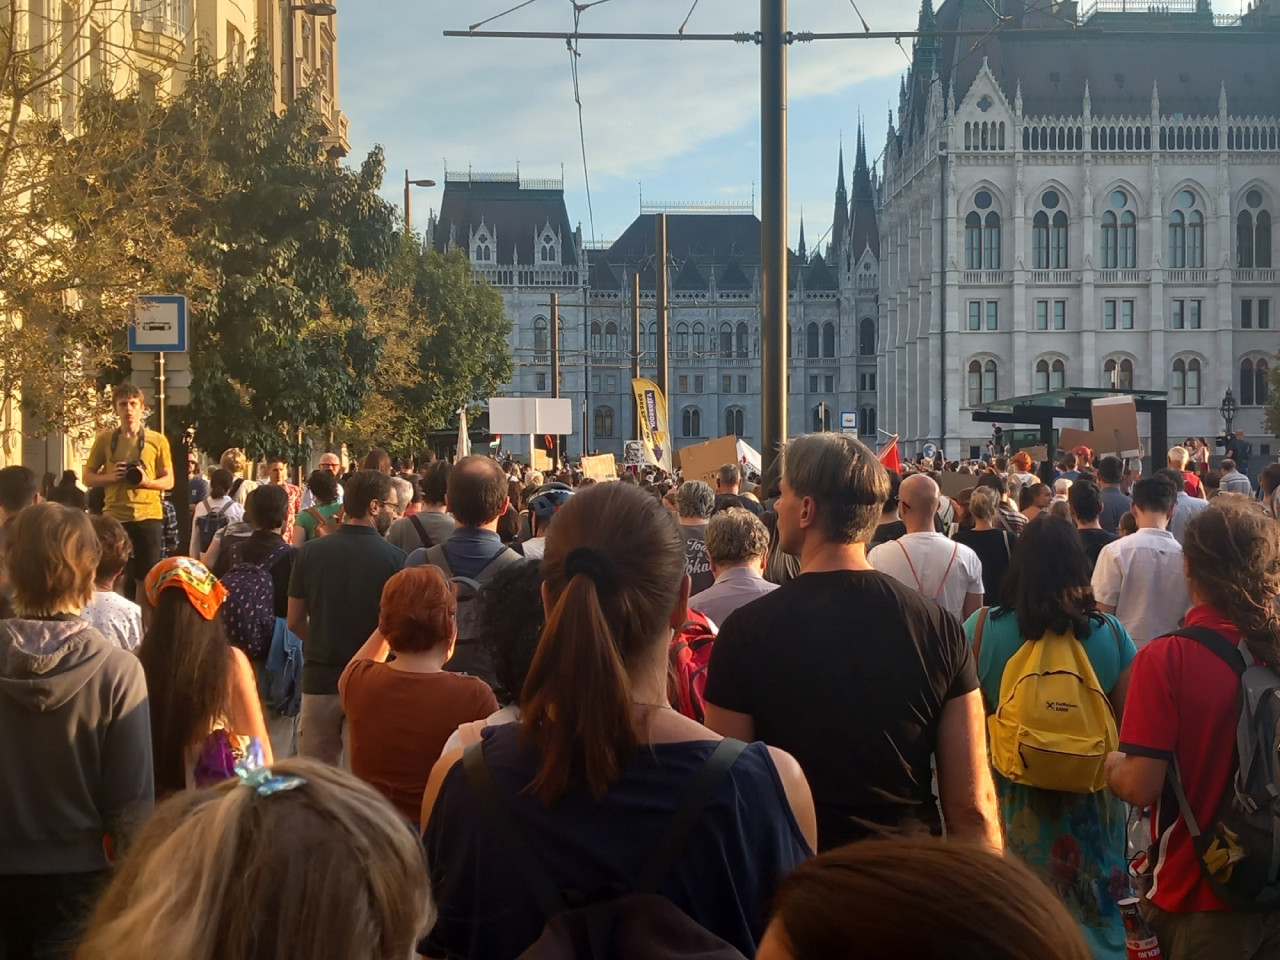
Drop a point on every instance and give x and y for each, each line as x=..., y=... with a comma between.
x=861, y=173
x=802, y=251
x=840, y=219
x=863, y=230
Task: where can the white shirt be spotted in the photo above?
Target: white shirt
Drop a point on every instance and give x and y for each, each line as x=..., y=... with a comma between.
x=115, y=617
x=535, y=548
x=233, y=511
x=939, y=568
x=1186, y=508
x=1141, y=575
x=1235, y=482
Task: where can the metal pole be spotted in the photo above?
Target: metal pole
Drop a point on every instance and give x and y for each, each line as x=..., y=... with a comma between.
x=635, y=352
x=408, y=220
x=555, y=362
x=160, y=394
x=773, y=228
x=660, y=257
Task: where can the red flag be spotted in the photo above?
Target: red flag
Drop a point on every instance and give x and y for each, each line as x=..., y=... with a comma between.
x=888, y=455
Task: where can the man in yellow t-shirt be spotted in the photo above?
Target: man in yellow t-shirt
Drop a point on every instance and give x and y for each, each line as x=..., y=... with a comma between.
x=135, y=466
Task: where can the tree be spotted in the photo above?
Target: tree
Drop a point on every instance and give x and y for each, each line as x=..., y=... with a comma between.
x=1271, y=412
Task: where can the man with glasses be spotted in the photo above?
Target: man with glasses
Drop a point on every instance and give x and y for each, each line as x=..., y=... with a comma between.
x=334, y=595
x=332, y=463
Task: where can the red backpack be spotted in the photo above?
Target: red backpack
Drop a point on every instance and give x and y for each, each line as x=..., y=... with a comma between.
x=690, y=656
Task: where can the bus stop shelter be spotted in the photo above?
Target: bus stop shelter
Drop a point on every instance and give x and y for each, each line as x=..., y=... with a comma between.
x=1043, y=410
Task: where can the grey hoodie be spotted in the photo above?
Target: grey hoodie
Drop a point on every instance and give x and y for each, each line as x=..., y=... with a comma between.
x=75, y=747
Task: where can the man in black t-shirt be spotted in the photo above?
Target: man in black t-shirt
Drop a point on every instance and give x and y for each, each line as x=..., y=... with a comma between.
x=695, y=502
x=860, y=678
x=1085, y=500
x=728, y=485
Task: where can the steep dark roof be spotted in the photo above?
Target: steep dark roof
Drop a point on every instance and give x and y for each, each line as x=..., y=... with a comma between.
x=840, y=219
x=690, y=277
x=865, y=231
x=711, y=237
x=514, y=212
x=733, y=278
x=600, y=275
x=819, y=276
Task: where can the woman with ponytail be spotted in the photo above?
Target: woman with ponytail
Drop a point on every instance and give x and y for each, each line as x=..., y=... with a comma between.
x=599, y=763
x=1180, y=719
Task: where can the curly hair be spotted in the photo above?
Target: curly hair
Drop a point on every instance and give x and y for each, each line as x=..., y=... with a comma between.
x=1048, y=581
x=1232, y=550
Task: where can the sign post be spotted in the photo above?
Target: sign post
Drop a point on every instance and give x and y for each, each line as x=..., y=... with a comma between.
x=849, y=423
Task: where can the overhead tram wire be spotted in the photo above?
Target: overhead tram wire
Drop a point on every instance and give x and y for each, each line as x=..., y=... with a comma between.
x=499, y=16
x=687, y=17
x=753, y=37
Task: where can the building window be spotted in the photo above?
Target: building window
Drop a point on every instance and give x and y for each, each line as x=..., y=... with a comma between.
x=1049, y=375
x=595, y=337
x=1247, y=310
x=991, y=241
x=811, y=341
x=982, y=235
x=1119, y=234
x=540, y=335
x=867, y=337
x=733, y=422
x=1186, y=314
x=682, y=339
x=828, y=339
x=829, y=383
x=1058, y=310
x=1109, y=314
x=604, y=423
x=1118, y=374
x=1126, y=314
x=699, y=339
x=1049, y=237
x=1186, y=233
x=1246, y=314
x=993, y=315
x=1264, y=314
x=684, y=384
x=1042, y=314
x=726, y=383
x=548, y=251
x=742, y=383
x=1184, y=383
x=1040, y=241
x=698, y=384
x=611, y=337
x=1059, y=314
x=542, y=382
x=869, y=422
x=1253, y=233
x=975, y=314
x=691, y=422
x=982, y=382
x=973, y=242
x=1254, y=385
x=813, y=383
x=726, y=340
x=742, y=336
x=611, y=384
x=595, y=383
x=822, y=418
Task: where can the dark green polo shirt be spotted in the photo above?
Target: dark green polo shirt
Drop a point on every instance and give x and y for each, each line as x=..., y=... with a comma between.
x=341, y=577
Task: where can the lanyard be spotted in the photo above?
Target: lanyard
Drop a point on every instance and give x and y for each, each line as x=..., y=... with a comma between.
x=946, y=573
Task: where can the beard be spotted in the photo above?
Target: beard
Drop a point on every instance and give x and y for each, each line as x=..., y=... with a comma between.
x=383, y=522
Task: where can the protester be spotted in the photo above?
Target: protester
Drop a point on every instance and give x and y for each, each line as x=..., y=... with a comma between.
x=1180, y=460
x=133, y=466
x=377, y=459
x=278, y=475
x=1238, y=449
x=1048, y=599
x=942, y=569
x=68, y=493
x=326, y=505
x=992, y=544
x=1034, y=499
x=401, y=713
x=604, y=761
x=213, y=513
x=1115, y=502
x=890, y=525
x=334, y=593
x=1181, y=719
x=205, y=712
x=917, y=898
x=294, y=862
x=329, y=463
x=1085, y=500
x=197, y=485
x=268, y=508
x=1023, y=468
x=433, y=523
x=1269, y=487
x=729, y=491
x=737, y=546
x=695, y=502
x=17, y=492
x=236, y=461
x=1233, y=481
x=1186, y=506
x=859, y=677
x=117, y=618
x=1009, y=513
x=543, y=507
x=1128, y=525
x=1070, y=462
x=75, y=755
x=1140, y=578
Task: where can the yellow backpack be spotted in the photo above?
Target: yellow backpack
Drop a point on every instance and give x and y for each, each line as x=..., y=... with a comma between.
x=1053, y=725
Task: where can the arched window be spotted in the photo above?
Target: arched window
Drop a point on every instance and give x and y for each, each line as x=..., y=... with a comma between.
x=611, y=337
x=822, y=418
x=867, y=337
x=1042, y=376
x=828, y=339
x=1118, y=374
x=548, y=251
x=651, y=347
x=1186, y=233
x=1244, y=239
x=1262, y=240
x=691, y=422
x=1177, y=239
x=811, y=341
x=869, y=423
x=540, y=344
x=1246, y=383
x=726, y=340
x=1057, y=375
x=982, y=382
x=1058, y=242
x=742, y=334
x=1195, y=239
x=699, y=339
x=1110, y=241
x=973, y=242
x=1262, y=384
x=1040, y=241
x=682, y=339
x=595, y=337
x=1128, y=240
x=991, y=241
x=1184, y=383
x=733, y=422
x=484, y=253
x=604, y=423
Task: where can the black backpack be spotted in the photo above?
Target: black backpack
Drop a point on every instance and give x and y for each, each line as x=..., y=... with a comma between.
x=1239, y=849
x=635, y=924
x=470, y=653
x=210, y=522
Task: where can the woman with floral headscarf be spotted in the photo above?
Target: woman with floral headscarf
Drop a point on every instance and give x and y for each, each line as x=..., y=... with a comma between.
x=205, y=711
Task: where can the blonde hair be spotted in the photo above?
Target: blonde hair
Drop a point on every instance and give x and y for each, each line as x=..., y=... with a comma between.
x=1178, y=457
x=984, y=503
x=326, y=869
x=51, y=557
x=233, y=459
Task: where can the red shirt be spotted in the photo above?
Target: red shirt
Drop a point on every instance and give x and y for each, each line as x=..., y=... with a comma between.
x=1183, y=702
x=1191, y=483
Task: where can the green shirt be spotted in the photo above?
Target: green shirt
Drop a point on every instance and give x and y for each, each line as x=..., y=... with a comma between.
x=124, y=501
x=307, y=521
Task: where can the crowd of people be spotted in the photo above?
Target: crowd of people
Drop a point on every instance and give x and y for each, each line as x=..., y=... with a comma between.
x=469, y=709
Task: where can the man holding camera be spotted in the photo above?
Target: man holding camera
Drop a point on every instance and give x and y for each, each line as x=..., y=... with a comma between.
x=135, y=466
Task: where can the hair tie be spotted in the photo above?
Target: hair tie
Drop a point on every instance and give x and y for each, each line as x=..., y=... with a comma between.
x=595, y=564
x=263, y=782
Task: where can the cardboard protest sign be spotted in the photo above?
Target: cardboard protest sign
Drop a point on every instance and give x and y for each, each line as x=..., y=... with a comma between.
x=1069, y=438
x=952, y=484
x=541, y=460
x=1039, y=454
x=702, y=460
x=602, y=467
x=1115, y=426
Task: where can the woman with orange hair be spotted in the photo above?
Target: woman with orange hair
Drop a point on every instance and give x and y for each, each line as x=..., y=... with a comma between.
x=401, y=713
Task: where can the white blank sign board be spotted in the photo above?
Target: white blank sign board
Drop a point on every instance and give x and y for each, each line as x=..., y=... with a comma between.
x=530, y=415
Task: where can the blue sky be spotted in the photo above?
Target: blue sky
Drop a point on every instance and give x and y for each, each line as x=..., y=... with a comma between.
x=678, y=120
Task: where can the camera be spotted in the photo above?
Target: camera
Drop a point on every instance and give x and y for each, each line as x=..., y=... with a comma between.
x=133, y=474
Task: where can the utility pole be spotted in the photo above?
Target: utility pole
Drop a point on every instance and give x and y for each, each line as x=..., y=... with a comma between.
x=555, y=364
x=773, y=229
x=635, y=352
x=660, y=268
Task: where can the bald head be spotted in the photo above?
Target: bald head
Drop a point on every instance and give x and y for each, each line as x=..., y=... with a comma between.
x=918, y=502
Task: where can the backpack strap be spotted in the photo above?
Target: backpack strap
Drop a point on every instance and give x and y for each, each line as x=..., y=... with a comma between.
x=276, y=556
x=692, y=804
x=977, y=632
x=543, y=888
x=315, y=515
x=422, y=532
x=1225, y=650
x=437, y=556
x=235, y=487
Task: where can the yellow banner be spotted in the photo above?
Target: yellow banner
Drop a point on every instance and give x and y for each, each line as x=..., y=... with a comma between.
x=655, y=434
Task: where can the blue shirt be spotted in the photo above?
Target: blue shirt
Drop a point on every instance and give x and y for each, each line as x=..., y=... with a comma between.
x=469, y=551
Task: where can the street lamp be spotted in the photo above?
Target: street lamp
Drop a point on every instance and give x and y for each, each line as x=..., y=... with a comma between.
x=408, y=223
x=1228, y=410
x=315, y=10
